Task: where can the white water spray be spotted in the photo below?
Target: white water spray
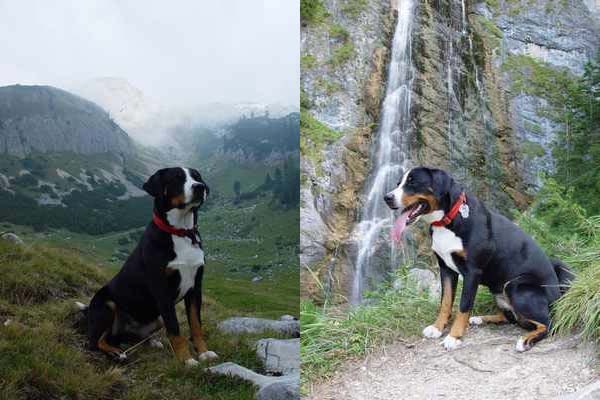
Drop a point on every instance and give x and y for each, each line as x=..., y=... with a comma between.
x=389, y=154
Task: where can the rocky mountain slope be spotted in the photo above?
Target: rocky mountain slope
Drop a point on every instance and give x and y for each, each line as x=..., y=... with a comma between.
x=66, y=164
x=483, y=104
x=46, y=119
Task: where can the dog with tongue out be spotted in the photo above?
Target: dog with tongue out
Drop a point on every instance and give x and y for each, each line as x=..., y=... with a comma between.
x=483, y=247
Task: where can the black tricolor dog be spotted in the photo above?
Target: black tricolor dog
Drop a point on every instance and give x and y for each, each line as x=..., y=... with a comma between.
x=485, y=248
x=165, y=267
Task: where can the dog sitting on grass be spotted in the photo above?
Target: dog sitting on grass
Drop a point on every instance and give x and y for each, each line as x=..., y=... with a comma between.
x=166, y=267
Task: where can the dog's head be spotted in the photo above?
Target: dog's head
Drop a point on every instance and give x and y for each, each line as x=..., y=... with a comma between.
x=178, y=187
x=422, y=192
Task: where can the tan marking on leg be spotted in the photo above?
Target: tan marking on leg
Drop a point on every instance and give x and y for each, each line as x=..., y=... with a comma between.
x=196, y=328
x=459, y=326
x=495, y=319
x=180, y=347
x=540, y=329
x=445, y=307
x=107, y=348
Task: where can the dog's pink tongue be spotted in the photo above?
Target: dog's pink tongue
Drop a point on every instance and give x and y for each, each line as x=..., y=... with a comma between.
x=399, y=226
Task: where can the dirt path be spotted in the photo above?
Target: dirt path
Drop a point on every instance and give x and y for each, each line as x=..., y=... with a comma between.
x=485, y=367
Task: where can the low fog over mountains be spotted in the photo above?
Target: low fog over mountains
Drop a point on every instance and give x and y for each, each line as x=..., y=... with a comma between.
x=150, y=122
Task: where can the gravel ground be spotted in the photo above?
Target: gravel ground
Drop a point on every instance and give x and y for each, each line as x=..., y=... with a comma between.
x=485, y=366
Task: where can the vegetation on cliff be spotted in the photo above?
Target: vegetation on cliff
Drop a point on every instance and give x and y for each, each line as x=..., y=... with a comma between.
x=312, y=11
x=573, y=102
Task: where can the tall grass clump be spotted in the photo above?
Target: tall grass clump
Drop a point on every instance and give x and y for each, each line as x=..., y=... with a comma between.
x=565, y=231
x=579, y=308
x=331, y=334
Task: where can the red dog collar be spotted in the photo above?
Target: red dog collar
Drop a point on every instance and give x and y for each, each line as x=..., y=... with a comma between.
x=163, y=226
x=462, y=199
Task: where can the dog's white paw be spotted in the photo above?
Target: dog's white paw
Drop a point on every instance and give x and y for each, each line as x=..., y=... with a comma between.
x=432, y=332
x=521, y=346
x=207, y=356
x=190, y=362
x=122, y=356
x=475, y=321
x=81, y=306
x=157, y=344
x=451, y=343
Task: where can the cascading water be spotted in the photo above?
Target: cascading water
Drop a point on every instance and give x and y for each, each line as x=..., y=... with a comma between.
x=389, y=155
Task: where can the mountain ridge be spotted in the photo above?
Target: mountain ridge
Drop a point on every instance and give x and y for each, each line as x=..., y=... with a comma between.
x=46, y=119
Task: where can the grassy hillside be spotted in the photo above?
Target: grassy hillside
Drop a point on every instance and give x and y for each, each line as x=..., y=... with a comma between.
x=246, y=238
x=43, y=355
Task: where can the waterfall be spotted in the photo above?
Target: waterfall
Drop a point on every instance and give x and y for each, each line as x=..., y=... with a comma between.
x=464, y=17
x=389, y=154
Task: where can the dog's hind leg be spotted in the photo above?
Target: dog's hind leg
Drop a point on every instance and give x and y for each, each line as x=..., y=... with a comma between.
x=532, y=311
x=498, y=318
x=101, y=317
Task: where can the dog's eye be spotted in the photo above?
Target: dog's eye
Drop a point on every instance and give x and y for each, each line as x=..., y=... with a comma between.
x=409, y=179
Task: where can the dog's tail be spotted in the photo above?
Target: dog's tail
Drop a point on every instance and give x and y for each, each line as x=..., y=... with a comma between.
x=564, y=274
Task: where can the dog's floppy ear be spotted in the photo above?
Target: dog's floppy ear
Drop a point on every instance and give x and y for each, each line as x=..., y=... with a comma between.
x=442, y=182
x=155, y=184
x=446, y=188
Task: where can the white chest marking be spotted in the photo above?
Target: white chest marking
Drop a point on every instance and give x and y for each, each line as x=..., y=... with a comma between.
x=187, y=261
x=188, y=257
x=444, y=243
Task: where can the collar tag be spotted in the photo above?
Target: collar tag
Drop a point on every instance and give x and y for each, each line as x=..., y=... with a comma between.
x=464, y=210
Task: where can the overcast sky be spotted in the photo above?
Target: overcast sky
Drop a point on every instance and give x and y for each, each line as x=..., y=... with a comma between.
x=181, y=52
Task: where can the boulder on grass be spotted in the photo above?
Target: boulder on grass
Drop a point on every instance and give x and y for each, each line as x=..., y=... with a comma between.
x=247, y=325
x=11, y=237
x=279, y=356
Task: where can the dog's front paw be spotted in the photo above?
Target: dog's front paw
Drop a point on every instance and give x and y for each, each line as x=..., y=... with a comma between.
x=208, y=356
x=475, y=321
x=522, y=345
x=157, y=344
x=451, y=343
x=190, y=362
x=432, y=332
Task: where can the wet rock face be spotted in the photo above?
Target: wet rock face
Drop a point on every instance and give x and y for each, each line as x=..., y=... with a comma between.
x=344, y=59
x=341, y=49
x=470, y=118
x=460, y=111
x=45, y=119
x=563, y=34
